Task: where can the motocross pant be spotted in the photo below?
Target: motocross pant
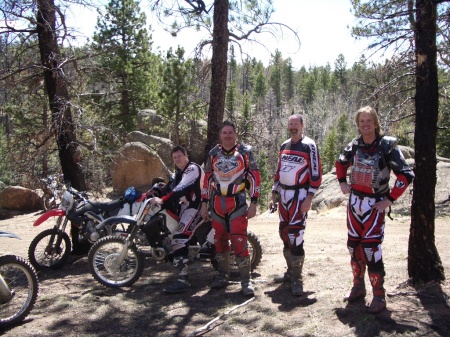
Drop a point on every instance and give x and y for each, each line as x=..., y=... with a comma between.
x=365, y=234
x=229, y=220
x=190, y=218
x=292, y=220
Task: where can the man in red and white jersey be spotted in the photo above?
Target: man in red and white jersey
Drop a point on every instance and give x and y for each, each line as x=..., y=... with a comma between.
x=230, y=169
x=370, y=157
x=297, y=179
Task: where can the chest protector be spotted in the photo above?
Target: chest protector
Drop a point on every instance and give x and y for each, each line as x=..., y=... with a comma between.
x=366, y=170
x=371, y=169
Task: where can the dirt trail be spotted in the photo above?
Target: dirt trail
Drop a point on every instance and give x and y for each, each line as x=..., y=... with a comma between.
x=71, y=303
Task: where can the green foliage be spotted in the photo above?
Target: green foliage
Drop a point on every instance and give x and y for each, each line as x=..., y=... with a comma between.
x=335, y=141
x=127, y=64
x=266, y=180
x=177, y=95
x=329, y=150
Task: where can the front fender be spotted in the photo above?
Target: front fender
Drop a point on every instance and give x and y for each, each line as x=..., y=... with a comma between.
x=44, y=217
x=116, y=219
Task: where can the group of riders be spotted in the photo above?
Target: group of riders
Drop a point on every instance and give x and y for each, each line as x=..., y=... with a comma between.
x=226, y=190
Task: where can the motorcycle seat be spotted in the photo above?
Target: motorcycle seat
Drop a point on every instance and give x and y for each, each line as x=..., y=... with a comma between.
x=108, y=206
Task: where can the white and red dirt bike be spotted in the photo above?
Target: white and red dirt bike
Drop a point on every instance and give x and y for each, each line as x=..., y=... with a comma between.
x=51, y=248
x=118, y=261
x=19, y=287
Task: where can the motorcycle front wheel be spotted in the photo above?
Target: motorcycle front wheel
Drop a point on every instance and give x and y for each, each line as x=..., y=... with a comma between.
x=107, y=267
x=21, y=282
x=46, y=253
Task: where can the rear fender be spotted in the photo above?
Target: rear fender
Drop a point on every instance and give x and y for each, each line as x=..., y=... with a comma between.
x=44, y=217
x=115, y=220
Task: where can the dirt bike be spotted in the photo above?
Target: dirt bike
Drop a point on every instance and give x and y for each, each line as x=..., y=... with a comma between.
x=19, y=287
x=51, y=248
x=117, y=261
x=52, y=189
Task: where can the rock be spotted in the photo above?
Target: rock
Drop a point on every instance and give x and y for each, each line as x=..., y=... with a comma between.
x=20, y=198
x=149, y=122
x=136, y=165
x=162, y=146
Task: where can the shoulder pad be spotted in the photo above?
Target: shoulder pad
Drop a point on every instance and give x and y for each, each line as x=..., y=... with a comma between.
x=353, y=145
x=214, y=151
x=244, y=148
x=387, y=144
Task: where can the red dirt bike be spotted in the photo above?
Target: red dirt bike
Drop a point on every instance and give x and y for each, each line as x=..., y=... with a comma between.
x=118, y=261
x=51, y=248
x=19, y=287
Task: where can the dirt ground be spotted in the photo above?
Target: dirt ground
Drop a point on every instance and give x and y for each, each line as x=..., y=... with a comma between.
x=71, y=303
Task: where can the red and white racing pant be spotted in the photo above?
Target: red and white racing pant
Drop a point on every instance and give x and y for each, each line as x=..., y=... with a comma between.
x=229, y=220
x=292, y=220
x=365, y=234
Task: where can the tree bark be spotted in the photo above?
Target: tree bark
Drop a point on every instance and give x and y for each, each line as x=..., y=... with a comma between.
x=218, y=72
x=424, y=263
x=56, y=86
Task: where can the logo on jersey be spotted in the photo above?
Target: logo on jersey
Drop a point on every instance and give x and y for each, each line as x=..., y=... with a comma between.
x=189, y=169
x=286, y=168
x=400, y=184
x=225, y=165
x=292, y=159
x=314, y=159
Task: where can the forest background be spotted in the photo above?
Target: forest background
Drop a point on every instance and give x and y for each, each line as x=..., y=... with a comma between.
x=67, y=107
x=117, y=74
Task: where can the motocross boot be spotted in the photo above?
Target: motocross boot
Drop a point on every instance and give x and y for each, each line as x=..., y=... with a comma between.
x=286, y=277
x=244, y=270
x=296, y=275
x=223, y=265
x=379, y=294
x=359, y=288
x=182, y=283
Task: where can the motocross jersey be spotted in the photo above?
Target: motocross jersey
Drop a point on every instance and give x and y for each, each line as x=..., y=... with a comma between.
x=187, y=184
x=371, y=165
x=299, y=166
x=228, y=172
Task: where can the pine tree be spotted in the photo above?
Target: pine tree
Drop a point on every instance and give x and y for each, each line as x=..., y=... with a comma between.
x=177, y=100
x=127, y=62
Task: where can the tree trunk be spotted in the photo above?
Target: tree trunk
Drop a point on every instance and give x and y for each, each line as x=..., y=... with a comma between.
x=218, y=72
x=424, y=263
x=58, y=95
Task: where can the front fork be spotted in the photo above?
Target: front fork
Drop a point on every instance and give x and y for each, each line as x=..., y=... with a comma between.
x=5, y=292
x=123, y=253
x=60, y=227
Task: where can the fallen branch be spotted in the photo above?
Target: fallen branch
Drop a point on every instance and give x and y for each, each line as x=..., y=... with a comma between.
x=208, y=326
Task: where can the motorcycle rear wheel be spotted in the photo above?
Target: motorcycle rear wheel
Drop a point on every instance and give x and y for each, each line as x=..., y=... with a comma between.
x=43, y=252
x=21, y=279
x=102, y=262
x=255, y=250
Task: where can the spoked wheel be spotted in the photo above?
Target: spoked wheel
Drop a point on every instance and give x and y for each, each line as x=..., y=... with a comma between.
x=107, y=267
x=49, y=202
x=18, y=289
x=49, y=249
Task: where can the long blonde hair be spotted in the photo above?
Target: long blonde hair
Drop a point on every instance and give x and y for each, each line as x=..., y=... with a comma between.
x=368, y=109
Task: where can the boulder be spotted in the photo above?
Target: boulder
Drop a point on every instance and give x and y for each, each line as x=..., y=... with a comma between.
x=136, y=164
x=20, y=198
x=149, y=122
x=162, y=146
